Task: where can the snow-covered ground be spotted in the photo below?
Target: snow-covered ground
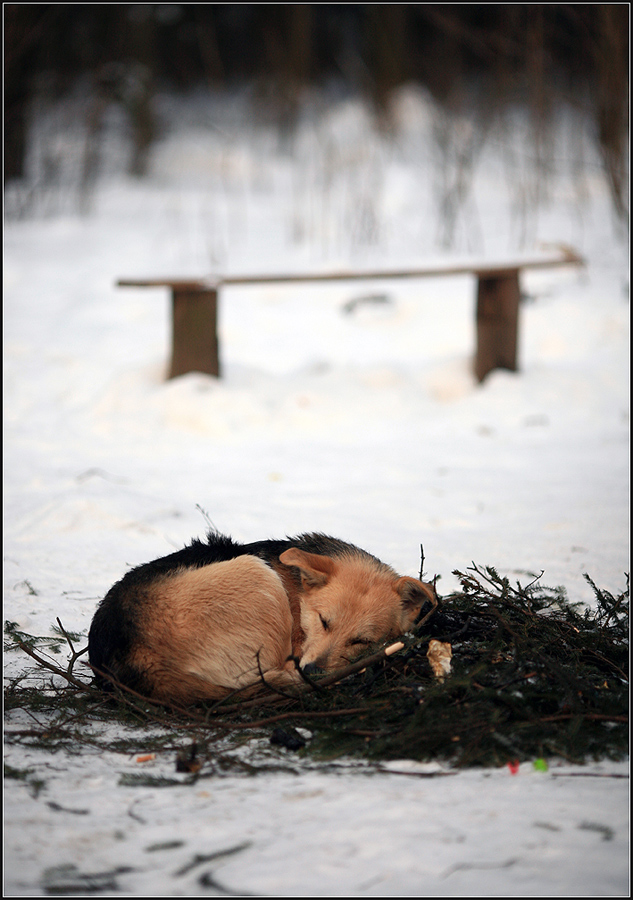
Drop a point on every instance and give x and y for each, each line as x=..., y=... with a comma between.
x=366, y=424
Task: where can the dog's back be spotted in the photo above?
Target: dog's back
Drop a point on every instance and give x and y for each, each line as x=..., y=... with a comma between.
x=127, y=643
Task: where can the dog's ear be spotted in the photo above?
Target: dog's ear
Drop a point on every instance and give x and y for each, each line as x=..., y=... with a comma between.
x=315, y=570
x=414, y=594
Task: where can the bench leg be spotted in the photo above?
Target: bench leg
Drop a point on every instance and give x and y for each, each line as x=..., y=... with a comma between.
x=194, y=334
x=497, y=322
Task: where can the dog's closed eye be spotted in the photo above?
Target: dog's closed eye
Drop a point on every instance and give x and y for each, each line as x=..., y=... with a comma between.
x=324, y=622
x=359, y=642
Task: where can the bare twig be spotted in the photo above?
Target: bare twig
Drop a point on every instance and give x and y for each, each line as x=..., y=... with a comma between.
x=609, y=662
x=598, y=717
x=207, y=518
x=57, y=671
x=75, y=653
x=299, y=715
x=339, y=674
x=273, y=688
x=123, y=689
x=315, y=685
x=426, y=617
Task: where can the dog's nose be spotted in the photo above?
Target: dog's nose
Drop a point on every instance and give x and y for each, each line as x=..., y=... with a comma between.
x=311, y=669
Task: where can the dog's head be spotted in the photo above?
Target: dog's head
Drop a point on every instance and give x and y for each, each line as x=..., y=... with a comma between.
x=350, y=602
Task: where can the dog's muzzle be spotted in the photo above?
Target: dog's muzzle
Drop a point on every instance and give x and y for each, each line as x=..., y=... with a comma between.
x=312, y=669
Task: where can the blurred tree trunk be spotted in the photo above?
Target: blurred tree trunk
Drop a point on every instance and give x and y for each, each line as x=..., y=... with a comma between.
x=300, y=43
x=539, y=79
x=24, y=26
x=289, y=53
x=612, y=98
x=387, y=49
x=138, y=90
x=15, y=104
x=208, y=44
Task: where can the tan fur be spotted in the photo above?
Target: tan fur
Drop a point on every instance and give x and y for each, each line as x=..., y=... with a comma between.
x=210, y=630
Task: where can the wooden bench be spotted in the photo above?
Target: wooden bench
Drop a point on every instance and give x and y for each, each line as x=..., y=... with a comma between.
x=195, y=307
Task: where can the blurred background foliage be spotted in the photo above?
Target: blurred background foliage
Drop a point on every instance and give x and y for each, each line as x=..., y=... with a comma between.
x=481, y=57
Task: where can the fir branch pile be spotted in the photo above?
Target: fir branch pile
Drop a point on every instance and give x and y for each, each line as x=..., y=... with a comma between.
x=533, y=676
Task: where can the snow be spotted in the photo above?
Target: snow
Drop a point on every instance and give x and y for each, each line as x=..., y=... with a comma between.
x=367, y=425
